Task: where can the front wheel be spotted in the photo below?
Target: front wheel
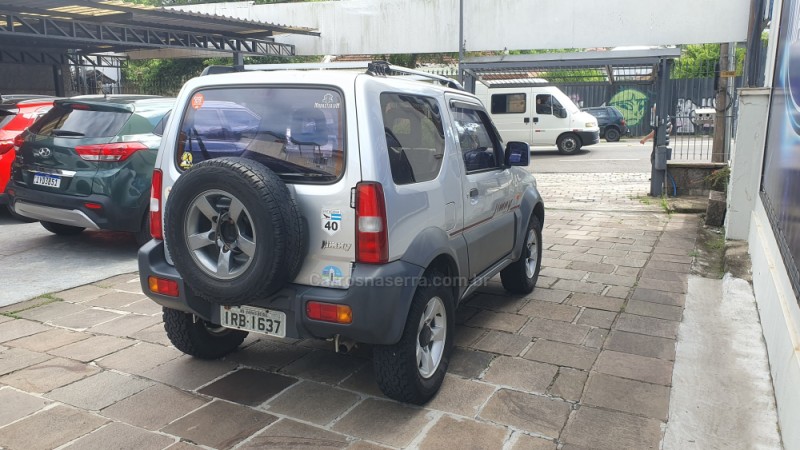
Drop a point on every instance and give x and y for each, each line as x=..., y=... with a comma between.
x=520, y=276
x=568, y=143
x=61, y=229
x=612, y=135
x=199, y=338
x=412, y=370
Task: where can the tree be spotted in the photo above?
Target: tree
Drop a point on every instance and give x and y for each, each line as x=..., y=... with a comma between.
x=699, y=61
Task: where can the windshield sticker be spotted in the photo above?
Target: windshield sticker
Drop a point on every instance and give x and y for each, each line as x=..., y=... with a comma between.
x=331, y=220
x=198, y=100
x=336, y=245
x=186, y=160
x=327, y=103
x=331, y=276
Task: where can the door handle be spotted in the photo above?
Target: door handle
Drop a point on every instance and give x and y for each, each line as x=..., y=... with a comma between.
x=473, y=193
x=527, y=120
x=535, y=120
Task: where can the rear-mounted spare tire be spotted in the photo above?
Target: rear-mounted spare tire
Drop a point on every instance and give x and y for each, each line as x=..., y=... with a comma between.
x=233, y=230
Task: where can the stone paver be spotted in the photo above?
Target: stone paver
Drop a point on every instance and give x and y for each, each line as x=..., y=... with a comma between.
x=639, y=344
x=503, y=343
x=289, y=434
x=468, y=363
x=49, y=429
x=532, y=413
x=386, y=422
x=635, y=397
x=98, y=391
x=18, y=405
x=220, y=424
x=562, y=354
x=583, y=361
x=521, y=374
x=635, y=367
x=48, y=340
x=154, y=407
x=261, y=386
x=449, y=432
x=49, y=375
x=460, y=396
x=608, y=430
x=314, y=402
x=121, y=437
x=92, y=348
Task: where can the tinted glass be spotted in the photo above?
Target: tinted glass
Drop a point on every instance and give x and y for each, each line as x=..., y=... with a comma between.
x=544, y=104
x=508, y=103
x=5, y=117
x=65, y=121
x=296, y=132
x=414, y=137
x=479, y=149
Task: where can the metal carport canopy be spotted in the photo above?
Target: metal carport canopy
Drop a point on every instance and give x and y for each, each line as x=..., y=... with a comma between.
x=616, y=65
x=95, y=26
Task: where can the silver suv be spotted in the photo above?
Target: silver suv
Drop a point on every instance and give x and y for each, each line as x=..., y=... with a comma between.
x=351, y=206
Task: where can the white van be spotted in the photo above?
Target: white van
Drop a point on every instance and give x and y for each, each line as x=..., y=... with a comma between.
x=540, y=116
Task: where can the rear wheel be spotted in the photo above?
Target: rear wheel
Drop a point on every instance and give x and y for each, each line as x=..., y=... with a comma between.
x=199, y=338
x=143, y=235
x=412, y=370
x=568, y=143
x=520, y=276
x=612, y=135
x=61, y=229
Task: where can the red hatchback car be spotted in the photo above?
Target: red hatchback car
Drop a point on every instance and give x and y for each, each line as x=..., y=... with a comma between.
x=17, y=112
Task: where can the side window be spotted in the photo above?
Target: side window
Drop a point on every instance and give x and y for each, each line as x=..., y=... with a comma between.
x=508, y=103
x=544, y=104
x=159, y=129
x=599, y=113
x=479, y=145
x=414, y=137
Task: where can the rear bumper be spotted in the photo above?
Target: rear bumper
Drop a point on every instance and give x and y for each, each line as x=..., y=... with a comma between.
x=379, y=296
x=589, y=137
x=71, y=210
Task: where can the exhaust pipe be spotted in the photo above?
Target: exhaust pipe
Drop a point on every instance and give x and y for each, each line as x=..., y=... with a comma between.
x=343, y=345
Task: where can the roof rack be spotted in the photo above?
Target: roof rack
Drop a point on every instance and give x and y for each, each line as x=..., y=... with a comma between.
x=374, y=68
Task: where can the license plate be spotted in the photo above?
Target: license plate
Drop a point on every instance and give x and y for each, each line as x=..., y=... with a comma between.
x=257, y=320
x=43, y=179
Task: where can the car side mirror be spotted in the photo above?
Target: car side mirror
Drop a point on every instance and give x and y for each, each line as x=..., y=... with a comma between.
x=560, y=112
x=518, y=154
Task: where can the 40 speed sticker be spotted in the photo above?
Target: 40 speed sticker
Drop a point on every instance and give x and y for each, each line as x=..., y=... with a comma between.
x=331, y=220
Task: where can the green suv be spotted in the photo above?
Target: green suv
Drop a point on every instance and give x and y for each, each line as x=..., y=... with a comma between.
x=88, y=163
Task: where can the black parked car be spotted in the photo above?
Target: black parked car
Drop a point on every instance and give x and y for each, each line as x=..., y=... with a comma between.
x=609, y=119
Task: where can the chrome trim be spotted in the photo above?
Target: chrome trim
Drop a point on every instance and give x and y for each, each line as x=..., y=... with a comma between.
x=71, y=217
x=48, y=170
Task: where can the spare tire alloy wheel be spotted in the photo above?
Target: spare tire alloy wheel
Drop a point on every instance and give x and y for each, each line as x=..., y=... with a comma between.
x=220, y=234
x=233, y=231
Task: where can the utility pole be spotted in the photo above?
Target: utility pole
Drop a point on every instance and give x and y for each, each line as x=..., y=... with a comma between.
x=460, y=39
x=720, y=129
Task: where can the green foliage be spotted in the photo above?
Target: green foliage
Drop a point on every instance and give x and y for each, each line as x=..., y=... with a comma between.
x=698, y=61
x=567, y=76
x=718, y=179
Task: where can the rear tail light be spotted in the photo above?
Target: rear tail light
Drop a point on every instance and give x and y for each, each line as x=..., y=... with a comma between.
x=155, y=205
x=5, y=146
x=18, y=141
x=623, y=122
x=329, y=312
x=92, y=205
x=118, y=151
x=163, y=286
x=372, y=243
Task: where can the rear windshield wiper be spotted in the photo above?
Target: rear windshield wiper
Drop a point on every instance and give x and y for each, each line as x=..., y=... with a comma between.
x=60, y=132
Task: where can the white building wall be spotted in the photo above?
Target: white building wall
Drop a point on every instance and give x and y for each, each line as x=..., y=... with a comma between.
x=428, y=26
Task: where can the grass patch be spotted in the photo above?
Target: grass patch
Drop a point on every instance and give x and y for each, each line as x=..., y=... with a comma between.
x=644, y=199
x=42, y=300
x=665, y=205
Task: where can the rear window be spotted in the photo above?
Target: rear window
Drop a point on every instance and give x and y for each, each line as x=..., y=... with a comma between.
x=65, y=121
x=297, y=132
x=5, y=117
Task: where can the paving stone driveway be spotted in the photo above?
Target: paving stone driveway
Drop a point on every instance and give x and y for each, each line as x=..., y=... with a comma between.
x=585, y=361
